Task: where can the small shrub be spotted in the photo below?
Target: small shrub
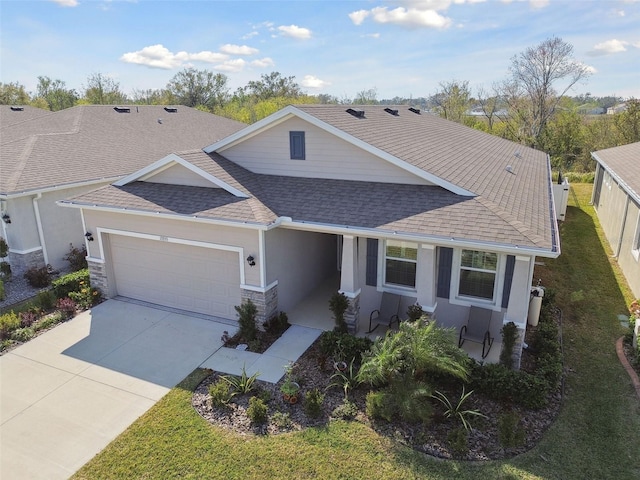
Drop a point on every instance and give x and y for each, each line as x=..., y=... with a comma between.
x=86, y=297
x=67, y=307
x=4, y=248
x=71, y=282
x=282, y=420
x=414, y=312
x=28, y=318
x=23, y=334
x=8, y=323
x=46, y=300
x=510, y=431
x=338, y=304
x=242, y=384
x=257, y=411
x=313, y=403
x=5, y=269
x=38, y=277
x=1, y=289
x=277, y=324
x=345, y=411
x=347, y=380
x=500, y=383
x=220, y=394
x=49, y=321
x=247, y=312
x=509, y=336
x=77, y=257
x=4, y=344
x=455, y=410
x=458, y=440
x=343, y=346
x=379, y=404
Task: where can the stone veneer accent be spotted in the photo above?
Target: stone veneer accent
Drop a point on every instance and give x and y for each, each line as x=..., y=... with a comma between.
x=98, y=277
x=21, y=262
x=352, y=315
x=267, y=302
x=517, y=349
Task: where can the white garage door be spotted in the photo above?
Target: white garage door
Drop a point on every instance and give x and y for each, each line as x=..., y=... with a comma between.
x=196, y=279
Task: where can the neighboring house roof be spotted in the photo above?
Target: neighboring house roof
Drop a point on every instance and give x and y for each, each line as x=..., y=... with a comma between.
x=90, y=143
x=624, y=164
x=14, y=114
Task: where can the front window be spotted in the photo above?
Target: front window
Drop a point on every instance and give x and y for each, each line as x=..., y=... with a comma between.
x=478, y=274
x=400, y=263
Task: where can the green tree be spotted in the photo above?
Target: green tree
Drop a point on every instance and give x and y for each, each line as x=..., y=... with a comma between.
x=628, y=122
x=103, y=90
x=192, y=88
x=151, y=97
x=272, y=85
x=366, y=97
x=13, y=94
x=563, y=137
x=55, y=94
x=534, y=75
x=452, y=100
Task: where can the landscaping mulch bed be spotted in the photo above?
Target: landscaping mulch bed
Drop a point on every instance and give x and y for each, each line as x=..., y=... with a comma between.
x=432, y=439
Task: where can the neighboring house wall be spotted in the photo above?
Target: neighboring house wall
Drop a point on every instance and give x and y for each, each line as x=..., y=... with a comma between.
x=299, y=261
x=25, y=250
x=326, y=156
x=620, y=220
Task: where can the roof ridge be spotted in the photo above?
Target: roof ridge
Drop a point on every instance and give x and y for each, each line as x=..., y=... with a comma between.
x=518, y=225
x=12, y=181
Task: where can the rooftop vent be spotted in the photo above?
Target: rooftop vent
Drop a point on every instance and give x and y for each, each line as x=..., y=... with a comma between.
x=391, y=111
x=414, y=110
x=17, y=109
x=122, y=109
x=356, y=113
x=171, y=109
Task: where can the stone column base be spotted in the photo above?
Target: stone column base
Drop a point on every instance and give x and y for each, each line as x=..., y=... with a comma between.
x=21, y=262
x=352, y=315
x=266, y=302
x=98, y=277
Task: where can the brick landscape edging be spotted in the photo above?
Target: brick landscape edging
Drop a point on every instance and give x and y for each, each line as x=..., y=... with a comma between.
x=625, y=363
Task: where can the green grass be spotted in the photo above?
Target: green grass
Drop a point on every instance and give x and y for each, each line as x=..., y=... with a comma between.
x=597, y=434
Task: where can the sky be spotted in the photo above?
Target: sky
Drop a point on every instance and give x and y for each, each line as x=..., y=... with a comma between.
x=399, y=48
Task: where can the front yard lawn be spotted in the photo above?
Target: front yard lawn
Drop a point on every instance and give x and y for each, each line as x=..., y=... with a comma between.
x=597, y=434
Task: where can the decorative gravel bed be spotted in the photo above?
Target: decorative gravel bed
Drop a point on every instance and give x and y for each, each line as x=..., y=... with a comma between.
x=431, y=439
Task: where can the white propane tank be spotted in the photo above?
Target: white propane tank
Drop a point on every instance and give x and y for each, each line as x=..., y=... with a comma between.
x=535, y=304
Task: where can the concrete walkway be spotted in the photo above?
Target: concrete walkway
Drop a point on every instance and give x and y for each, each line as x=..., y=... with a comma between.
x=68, y=393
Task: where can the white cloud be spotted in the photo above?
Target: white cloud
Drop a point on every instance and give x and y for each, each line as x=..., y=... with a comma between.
x=250, y=35
x=238, y=49
x=263, y=63
x=410, y=17
x=66, y=3
x=372, y=35
x=538, y=3
x=232, y=66
x=158, y=56
x=311, y=81
x=358, y=17
x=294, y=31
x=609, y=47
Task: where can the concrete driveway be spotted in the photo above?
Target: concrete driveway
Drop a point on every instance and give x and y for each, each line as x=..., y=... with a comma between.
x=68, y=393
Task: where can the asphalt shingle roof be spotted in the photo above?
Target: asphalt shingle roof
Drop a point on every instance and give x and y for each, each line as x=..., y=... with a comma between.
x=94, y=142
x=624, y=162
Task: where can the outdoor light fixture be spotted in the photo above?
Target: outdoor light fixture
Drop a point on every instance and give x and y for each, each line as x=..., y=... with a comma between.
x=89, y=236
x=251, y=261
x=6, y=218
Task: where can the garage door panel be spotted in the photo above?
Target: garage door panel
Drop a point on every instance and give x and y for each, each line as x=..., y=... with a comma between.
x=197, y=279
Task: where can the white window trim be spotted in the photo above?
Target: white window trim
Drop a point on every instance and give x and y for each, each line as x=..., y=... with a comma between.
x=457, y=299
x=383, y=286
x=635, y=241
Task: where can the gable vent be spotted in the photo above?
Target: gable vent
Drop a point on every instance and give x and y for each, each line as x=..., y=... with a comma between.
x=171, y=109
x=391, y=111
x=122, y=109
x=414, y=110
x=356, y=113
x=17, y=109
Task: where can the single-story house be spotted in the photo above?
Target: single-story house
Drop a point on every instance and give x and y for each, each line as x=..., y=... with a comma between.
x=616, y=198
x=384, y=199
x=48, y=156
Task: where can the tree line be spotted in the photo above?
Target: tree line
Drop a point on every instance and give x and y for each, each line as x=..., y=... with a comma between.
x=530, y=106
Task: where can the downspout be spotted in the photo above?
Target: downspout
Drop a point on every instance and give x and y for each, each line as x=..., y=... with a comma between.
x=624, y=222
x=36, y=210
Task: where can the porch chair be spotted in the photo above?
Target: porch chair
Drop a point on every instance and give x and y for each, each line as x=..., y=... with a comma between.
x=387, y=314
x=477, y=329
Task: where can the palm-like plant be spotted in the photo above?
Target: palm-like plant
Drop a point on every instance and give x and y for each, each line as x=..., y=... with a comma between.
x=456, y=411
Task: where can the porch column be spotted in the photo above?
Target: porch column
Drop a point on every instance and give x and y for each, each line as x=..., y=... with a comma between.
x=349, y=285
x=426, y=278
x=518, y=308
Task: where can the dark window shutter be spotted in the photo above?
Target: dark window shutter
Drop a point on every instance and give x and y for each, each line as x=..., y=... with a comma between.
x=508, y=277
x=296, y=145
x=372, y=262
x=444, y=271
